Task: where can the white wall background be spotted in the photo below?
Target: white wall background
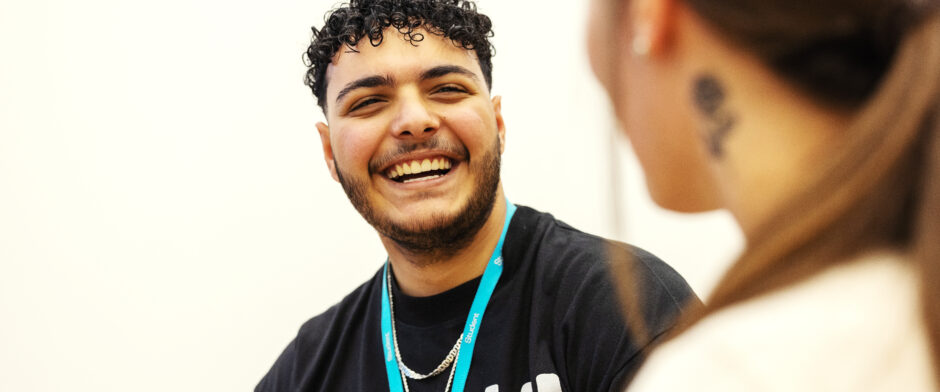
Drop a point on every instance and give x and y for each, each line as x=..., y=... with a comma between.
x=166, y=219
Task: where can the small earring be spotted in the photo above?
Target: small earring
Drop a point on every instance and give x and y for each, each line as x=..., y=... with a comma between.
x=641, y=46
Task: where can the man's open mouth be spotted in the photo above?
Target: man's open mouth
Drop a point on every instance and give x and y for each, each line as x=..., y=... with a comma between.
x=419, y=170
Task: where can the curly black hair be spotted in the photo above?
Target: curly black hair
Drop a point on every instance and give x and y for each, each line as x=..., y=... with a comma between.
x=457, y=20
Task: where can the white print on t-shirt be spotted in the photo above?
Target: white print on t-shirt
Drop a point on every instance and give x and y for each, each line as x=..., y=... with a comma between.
x=545, y=382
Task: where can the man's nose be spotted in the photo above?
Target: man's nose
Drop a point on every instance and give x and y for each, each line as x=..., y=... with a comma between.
x=415, y=119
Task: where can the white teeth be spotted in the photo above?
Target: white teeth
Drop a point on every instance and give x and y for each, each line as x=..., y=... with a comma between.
x=422, y=178
x=418, y=167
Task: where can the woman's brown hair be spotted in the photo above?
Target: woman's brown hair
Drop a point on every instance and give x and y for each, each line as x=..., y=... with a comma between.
x=880, y=59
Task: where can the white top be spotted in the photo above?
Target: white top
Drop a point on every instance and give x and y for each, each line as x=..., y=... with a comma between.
x=854, y=327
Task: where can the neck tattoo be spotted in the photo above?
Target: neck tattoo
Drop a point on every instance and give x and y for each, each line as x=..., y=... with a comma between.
x=709, y=97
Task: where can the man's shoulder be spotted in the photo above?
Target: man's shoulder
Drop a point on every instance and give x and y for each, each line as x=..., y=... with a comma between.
x=587, y=282
x=351, y=311
x=324, y=340
x=562, y=248
x=542, y=229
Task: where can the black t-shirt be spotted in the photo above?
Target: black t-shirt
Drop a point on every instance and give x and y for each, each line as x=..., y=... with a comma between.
x=554, y=322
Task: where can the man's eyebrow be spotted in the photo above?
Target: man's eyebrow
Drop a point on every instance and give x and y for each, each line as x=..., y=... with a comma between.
x=366, y=82
x=444, y=70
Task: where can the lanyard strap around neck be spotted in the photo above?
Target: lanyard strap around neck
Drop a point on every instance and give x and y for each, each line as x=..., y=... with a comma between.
x=470, y=330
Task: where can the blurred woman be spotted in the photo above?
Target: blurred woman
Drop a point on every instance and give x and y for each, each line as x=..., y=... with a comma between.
x=815, y=124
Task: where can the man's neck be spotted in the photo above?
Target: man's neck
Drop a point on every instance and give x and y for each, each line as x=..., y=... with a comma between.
x=419, y=277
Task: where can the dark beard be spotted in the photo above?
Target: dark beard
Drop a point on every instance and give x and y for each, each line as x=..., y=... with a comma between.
x=443, y=236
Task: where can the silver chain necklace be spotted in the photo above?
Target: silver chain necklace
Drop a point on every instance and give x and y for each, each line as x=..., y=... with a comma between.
x=451, y=357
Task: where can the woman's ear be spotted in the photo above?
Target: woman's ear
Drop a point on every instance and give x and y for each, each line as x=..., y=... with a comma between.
x=653, y=24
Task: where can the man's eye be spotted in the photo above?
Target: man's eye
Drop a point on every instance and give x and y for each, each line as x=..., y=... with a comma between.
x=451, y=89
x=364, y=103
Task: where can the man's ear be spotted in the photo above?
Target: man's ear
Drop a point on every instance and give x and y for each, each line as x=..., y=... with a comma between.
x=324, y=131
x=500, y=125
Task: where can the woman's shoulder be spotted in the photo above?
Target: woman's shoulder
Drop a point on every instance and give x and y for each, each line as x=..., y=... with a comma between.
x=851, y=297
x=856, y=326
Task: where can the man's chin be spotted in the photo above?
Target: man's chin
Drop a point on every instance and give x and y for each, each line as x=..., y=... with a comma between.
x=426, y=216
x=435, y=232
x=424, y=225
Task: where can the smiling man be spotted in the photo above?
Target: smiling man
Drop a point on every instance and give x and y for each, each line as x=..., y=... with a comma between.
x=476, y=293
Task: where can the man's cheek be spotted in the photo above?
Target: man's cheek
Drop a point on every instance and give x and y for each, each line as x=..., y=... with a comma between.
x=472, y=128
x=356, y=149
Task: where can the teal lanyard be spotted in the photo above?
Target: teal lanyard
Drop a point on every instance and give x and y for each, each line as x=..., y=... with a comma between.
x=470, y=330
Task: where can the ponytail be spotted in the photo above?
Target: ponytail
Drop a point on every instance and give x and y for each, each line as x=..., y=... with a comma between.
x=926, y=236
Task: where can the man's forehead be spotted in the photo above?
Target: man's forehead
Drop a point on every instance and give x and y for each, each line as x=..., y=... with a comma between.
x=396, y=55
